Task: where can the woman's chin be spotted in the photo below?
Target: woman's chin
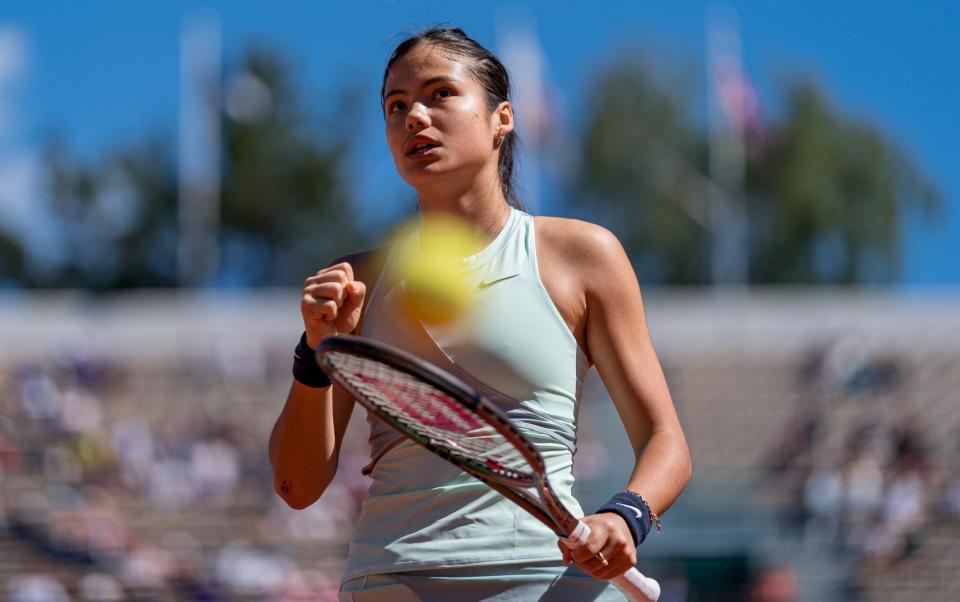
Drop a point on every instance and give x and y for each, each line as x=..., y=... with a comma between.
x=423, y=174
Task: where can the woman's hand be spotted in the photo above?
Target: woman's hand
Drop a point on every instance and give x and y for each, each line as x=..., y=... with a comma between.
x=331, y=303
x=609, y=536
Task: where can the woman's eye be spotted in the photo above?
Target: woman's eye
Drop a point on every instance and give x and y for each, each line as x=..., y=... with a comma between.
x=443, y=93
x=395, y=106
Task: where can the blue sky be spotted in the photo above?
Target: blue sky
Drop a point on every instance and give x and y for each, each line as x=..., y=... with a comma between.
x=105, y=73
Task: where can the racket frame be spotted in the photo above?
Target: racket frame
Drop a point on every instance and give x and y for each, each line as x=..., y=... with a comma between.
x=548, y=509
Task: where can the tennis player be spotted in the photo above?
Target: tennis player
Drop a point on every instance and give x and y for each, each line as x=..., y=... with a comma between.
x=557, y=297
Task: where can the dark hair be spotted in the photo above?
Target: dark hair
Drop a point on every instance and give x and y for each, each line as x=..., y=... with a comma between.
x=487, y=70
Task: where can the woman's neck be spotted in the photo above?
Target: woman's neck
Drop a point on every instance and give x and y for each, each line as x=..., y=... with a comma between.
x=486, y=209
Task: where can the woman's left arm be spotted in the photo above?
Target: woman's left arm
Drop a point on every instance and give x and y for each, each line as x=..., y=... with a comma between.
x=620, y=346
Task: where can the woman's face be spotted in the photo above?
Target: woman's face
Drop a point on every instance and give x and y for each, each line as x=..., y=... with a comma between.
x=439, y=128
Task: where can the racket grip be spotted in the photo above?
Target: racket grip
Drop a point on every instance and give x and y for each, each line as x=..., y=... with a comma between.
x=637, y=586
x=633, y=584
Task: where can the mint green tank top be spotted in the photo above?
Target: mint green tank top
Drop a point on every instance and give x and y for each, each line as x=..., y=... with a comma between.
x=421, y=511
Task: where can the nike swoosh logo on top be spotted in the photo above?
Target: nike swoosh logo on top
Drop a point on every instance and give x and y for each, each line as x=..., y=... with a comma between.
x=487, y=283
x=634, y=508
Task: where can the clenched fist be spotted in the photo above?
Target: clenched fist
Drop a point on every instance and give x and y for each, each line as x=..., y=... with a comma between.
x=331, y=302
x=609, y=551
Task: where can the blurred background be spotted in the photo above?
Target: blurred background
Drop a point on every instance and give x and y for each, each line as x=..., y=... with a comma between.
x=783, y=175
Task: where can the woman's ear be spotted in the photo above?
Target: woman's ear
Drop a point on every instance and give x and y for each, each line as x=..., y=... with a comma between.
x=503, y=118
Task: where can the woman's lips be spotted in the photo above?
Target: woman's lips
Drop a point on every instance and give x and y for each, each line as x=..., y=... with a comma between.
x=419, y=144
x=422, y=151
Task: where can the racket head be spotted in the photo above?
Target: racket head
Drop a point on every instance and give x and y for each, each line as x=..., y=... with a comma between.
x=346, y=359
x=433, y=408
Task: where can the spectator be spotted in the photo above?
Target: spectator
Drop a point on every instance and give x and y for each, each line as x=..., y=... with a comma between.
x=100, y=587
x=36, y=587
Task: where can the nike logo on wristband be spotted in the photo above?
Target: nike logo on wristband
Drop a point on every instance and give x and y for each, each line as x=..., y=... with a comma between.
x=487, y=283
x=634, y=508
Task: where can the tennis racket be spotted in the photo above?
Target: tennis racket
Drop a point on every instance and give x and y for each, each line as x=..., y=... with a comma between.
x=449, y=418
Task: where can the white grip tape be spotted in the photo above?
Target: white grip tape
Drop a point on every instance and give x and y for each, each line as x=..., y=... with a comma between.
x=579, y=534
x=636, y=586
x=633, y=584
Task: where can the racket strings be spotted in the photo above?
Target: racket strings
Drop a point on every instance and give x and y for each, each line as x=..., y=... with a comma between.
x=430, y=413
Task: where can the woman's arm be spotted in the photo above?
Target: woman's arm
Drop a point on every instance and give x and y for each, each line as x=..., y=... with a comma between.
x=620, y=346
x=305, y=442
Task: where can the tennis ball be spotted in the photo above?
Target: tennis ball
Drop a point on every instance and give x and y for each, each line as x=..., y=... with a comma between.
x=435, y=287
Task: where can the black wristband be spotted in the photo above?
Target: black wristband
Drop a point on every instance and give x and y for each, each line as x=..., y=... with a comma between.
x=305, y=368
x=634, y=510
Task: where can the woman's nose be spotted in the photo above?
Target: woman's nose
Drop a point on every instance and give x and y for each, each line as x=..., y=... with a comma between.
x=417, y=118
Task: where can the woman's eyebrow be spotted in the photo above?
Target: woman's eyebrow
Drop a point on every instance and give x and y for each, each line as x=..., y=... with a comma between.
x=426, y=84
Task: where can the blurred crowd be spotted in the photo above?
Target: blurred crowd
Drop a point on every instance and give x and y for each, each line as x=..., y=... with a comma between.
x=125, y=481
x=862, y=472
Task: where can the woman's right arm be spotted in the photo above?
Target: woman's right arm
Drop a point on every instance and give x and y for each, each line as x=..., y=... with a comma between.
x=305, y=441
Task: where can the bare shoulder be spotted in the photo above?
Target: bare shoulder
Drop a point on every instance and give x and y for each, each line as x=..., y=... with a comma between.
x=578, y=263
x=581, y=244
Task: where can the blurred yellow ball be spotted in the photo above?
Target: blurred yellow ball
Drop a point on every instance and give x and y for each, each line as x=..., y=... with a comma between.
x=435, y=287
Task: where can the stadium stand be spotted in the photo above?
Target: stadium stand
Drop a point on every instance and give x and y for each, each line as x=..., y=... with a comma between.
x=824, y=428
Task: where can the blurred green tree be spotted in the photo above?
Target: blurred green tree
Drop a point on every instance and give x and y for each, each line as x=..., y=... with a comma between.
x=115, y=220
x=12, y=261
x=286, y=200
x=641, y=173
x=824, y=194
x=285, y=210
x=827, y=196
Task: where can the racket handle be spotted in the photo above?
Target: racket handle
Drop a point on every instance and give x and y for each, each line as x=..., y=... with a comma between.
x=633, y=584
x=636, y=586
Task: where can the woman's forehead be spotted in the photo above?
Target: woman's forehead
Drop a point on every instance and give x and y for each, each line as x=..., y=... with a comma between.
x=423, y=63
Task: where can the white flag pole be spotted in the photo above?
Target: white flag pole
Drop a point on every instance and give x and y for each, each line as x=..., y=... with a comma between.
x=198, y=253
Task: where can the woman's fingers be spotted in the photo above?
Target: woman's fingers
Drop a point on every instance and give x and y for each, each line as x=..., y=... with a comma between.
x=620, y=556
x=351, y=305
x=590, y=562
x=327, y=310
x=609, y=551
x=331, y=302
x=326, y=290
